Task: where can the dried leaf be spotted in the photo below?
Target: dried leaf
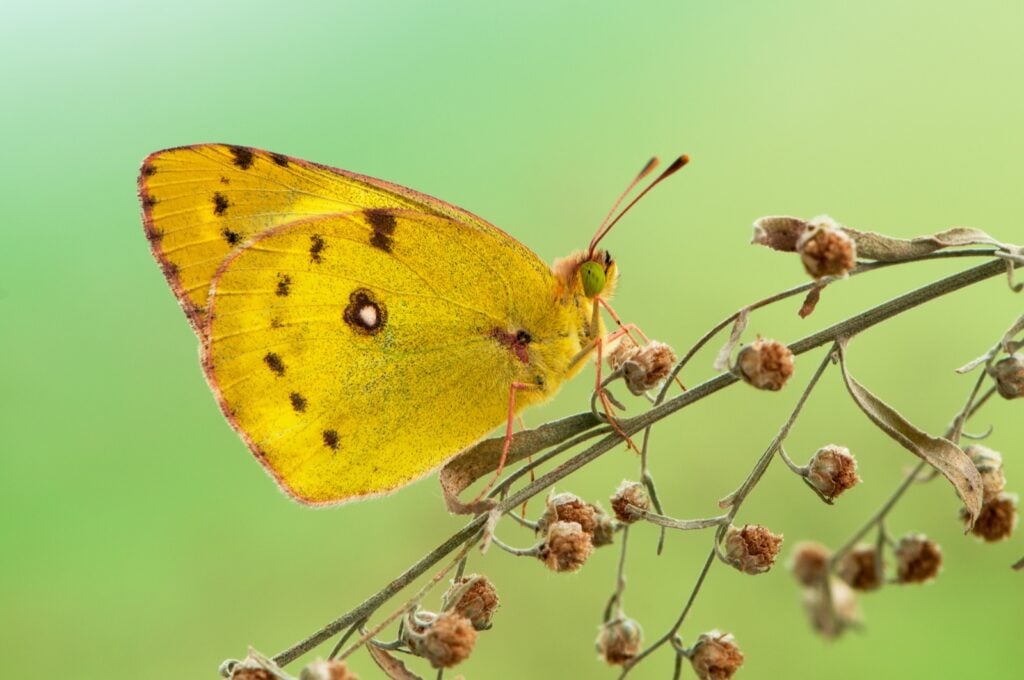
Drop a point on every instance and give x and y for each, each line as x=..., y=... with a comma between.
x=392, y=667
x=974, y=363
x=778, y=232
x=874, y=246
x=811, y=301
x=942, y=454
x=483, y=457
x=1009, y=346
x=722, y=361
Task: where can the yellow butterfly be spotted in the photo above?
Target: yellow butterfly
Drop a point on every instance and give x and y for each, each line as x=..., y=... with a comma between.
x=358, y=334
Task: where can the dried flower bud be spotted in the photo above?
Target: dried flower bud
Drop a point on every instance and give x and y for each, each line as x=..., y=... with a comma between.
x=825, y=249
x=765, y=364
x=619, y=641
x=1009, y=376
x=629, y=494
x=831, y=616
x=990, y=466
x=918, y=559
x=809, y=563
x=716, y=656
x=444, y=639
x=248, y=673
x=861, y=568
x=778, y=232
x=327, y=670
x=567, y=507
x=566, y=547
x=604, y=530
x=477, y=599
x=752, y=549
x=623, y=351
x=997, y=519
x=832, y=471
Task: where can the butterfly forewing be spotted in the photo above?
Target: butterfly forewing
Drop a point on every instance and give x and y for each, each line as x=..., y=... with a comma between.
x=203, y=202
x=355, y=352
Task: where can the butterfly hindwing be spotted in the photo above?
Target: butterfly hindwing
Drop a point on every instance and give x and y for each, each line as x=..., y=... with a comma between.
x=357, y=352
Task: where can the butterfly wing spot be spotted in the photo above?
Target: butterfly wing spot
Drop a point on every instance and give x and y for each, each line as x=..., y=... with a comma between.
x=149, y=200
x=225, y=180
x=154, y=234
x=274, y=363
x=364, y=313
x=148, y=170
x=316, y=248
x=298, y=402
x=243, y=157
x=276, y=322
x=515, y=342
x=279, y=159
x=331, y=439
x=220, y=204
x=232, y=237
x=383, y=224
x=284, y=285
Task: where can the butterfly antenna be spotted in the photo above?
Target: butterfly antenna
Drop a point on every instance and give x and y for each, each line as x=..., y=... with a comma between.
x=647, y=169
x=677, y=165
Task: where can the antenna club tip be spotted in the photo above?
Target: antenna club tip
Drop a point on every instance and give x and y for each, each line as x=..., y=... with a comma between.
x=684, y=159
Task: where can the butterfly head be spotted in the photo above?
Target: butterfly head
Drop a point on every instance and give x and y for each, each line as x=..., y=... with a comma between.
x=587, y=274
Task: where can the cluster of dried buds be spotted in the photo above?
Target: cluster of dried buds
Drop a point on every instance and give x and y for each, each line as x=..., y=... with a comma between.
x=643, y=367
x=998, y=516
x=572, y=528
x=447, y=638
x=825, y=248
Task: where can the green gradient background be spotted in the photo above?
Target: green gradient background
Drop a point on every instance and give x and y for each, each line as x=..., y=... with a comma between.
x=140, y=539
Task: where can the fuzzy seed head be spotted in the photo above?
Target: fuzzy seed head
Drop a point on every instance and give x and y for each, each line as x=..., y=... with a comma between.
x=825, y=249
x=1009, y=376
x=630, y=494
x=619, y=641
x=604, y=530
x=861, y=568
x=477, y=599
x=567, y=507
x=990, y=467
x=918, y=559
x=832, y=471
x=997, y=519
x=752, y=549
x=765, y=364
x=327, y=670
x=643, y=368
x=809, y=563
x=245, y=673
x=444, y=639
x=566, y=547
x=831, y=621
x=716, y=656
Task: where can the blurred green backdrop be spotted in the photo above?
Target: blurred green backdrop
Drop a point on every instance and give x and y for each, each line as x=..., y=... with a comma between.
x=141, y=540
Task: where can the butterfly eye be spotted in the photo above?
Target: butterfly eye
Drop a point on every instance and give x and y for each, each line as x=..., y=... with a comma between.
x=593, y=277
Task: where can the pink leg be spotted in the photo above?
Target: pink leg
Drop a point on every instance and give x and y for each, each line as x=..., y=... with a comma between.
x=508, y=435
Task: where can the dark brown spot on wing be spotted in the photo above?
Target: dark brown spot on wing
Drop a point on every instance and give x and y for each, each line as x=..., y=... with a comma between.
x=331, y=439
x=225, y=180
x=220, y=204
x=274, y=363
x=298, y=402
x=154, y=234
x=243, y=157
x=148, y=170
x=149, y=200
x=232, y=237
x=284, y=285
x=279, y=159
x=382, y=222
x=275, y=322
x=365, y=313
x=316, y=248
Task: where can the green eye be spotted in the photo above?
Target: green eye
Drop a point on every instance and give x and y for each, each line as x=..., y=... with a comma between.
x=593, y=278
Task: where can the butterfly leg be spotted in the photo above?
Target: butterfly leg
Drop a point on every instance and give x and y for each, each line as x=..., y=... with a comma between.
x=513, y=388
x=615, y=317
x=606, y=404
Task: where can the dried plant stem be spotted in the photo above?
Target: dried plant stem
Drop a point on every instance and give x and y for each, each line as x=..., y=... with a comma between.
x=470, y=531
